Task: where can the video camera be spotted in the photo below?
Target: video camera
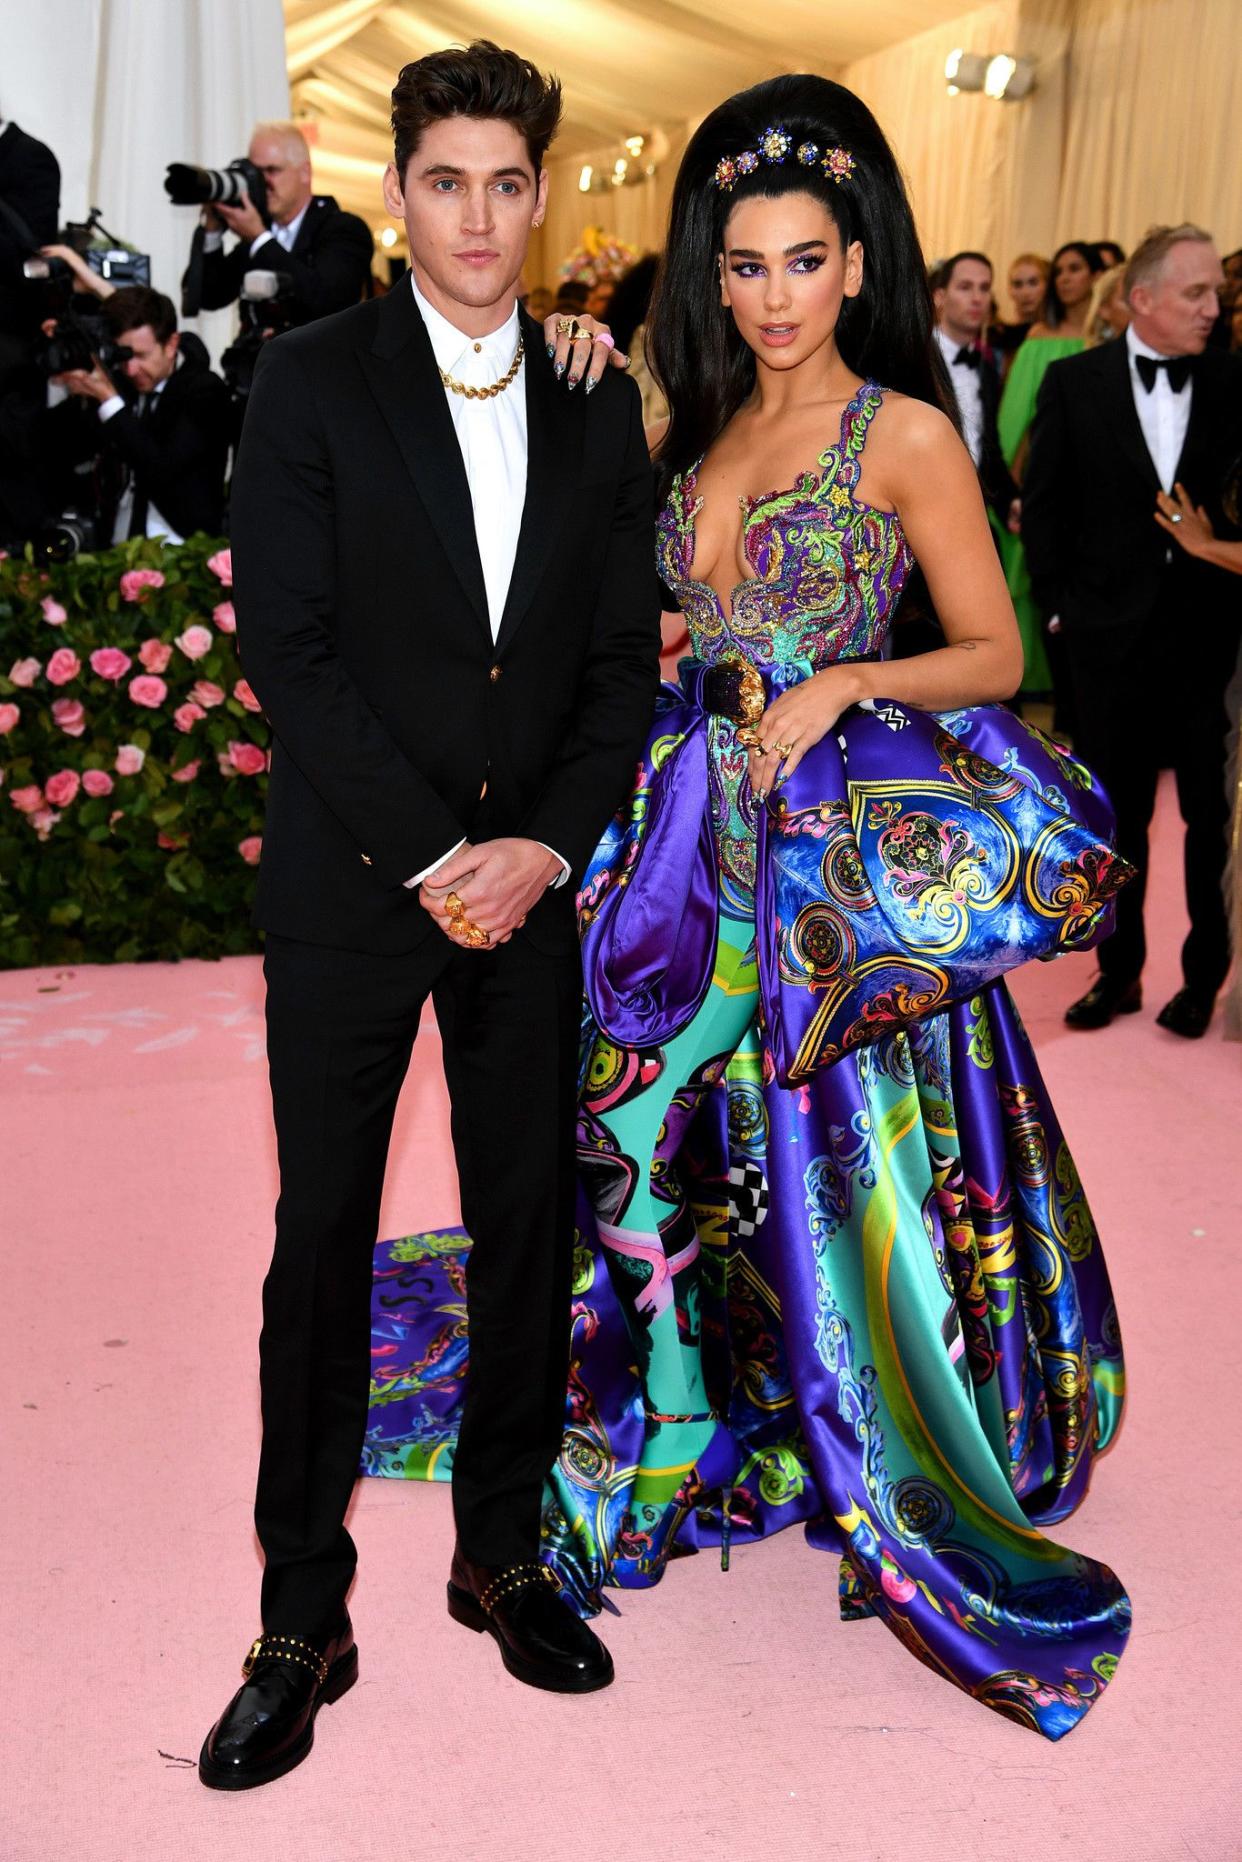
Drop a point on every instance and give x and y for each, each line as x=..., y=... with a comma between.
x=266, y=306
x=189, y=186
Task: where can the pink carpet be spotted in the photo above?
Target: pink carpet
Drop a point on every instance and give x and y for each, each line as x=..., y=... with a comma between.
x=746, y=1720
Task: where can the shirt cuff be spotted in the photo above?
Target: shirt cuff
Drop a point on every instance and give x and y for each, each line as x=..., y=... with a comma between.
x=115, y=404
x=212, y=242
x=254, y=247
x=420, y=877
x=556, y=884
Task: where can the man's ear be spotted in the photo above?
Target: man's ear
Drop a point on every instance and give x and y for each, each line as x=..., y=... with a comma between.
x=173, y=345
x=394, y=198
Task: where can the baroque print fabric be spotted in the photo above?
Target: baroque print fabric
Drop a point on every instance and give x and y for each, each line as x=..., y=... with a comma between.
x=863, y=1292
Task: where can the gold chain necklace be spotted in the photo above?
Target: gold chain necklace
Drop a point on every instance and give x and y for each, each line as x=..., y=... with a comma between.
x=496, y=387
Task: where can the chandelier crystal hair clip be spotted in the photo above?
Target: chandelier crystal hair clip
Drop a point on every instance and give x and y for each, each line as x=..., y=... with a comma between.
x=775, y=146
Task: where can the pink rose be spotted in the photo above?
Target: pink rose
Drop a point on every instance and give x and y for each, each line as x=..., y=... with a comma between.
x=63, y=666
x=69, y=716
x=185, y=717
x=43, y=821
x=195, y=641
x=110, y=662
x=155, y=655
x=251, y=848
x=243, y=693
x=129, y=760
x=97, y=782
x=53, y=613
x=247, y=759
x=224, y=618
x=9, y=716
x=27, y=801
x=205, y=692
x=221, y=565
x=24, y=671
x=62, y=787
x=186, y=773
x=147, y=691
x=135, y=583
x=172, y=841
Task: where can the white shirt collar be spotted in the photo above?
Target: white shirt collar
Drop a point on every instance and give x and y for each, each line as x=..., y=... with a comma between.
x=452, y=346
x=1137, y=347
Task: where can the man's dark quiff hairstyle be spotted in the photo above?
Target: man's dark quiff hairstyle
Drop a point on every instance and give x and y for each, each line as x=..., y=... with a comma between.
x=136, y=307
x=478, y=80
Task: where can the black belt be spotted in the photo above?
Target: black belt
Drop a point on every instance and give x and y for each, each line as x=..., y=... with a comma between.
x=732, y=688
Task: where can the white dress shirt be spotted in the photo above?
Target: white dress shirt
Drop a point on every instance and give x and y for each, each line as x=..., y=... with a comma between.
x=492, y=437
x=1163, y=415
x=157, y=525
x=283, y=235
x=969, y=392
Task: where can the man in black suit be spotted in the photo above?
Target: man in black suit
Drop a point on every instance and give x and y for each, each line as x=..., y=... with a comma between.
x=447, y=605
x=322, y=254
x=1151, y=633
x=962, y=294
x=29, y=216
x=167, y=439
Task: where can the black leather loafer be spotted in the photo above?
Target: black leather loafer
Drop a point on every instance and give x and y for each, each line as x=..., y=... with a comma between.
x=269, y=1725
x=1188, y=1013
x=1103, y=1000
x=540, y=1639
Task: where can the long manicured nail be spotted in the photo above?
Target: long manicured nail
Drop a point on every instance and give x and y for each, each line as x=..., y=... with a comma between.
x=559, y=370
x=592, y=381
x=761, y=796
x=574, y=380
x=551, y=349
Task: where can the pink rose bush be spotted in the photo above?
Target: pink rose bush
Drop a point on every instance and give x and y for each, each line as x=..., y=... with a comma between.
x=136, y=582
x=69, y=716
x=139, y=701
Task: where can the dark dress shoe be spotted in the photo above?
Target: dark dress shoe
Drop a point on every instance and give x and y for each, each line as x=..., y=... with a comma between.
x=1188, y=1013
x=1103, y=1000
x=269, y=1725
x=540, y=1639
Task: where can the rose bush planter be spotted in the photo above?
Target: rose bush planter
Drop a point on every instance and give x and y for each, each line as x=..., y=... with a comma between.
x=133, y=759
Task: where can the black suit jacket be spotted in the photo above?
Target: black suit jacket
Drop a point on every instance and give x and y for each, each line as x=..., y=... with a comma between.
x=363, y=626
x=1096, y=556
x=327, y=269
x=177, y=452
x=999, y=486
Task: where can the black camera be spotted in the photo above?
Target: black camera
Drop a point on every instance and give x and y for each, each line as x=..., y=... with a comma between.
x=189, y=186
x=78, y=338
x=73, y=533
x=266, y=305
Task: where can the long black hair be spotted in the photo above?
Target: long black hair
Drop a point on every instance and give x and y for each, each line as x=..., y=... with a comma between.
x=704, y=367
x=1054, y=312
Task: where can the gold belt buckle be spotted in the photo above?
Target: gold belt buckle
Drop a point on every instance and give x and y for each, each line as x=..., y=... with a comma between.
x=752, y=702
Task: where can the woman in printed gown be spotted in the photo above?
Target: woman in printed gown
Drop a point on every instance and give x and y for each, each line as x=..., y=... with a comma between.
x=835, y=1263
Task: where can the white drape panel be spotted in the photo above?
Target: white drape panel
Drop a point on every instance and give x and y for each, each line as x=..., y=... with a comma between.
x=120, y=88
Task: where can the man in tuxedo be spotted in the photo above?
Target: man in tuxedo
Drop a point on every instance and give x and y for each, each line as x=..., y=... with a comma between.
x=1151, y=633
x=322, y=254
x=962, y=295
x=446, y=602
x=167, y=439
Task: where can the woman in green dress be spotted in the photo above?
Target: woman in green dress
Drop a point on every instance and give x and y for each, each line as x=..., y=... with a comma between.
x=1059, y=332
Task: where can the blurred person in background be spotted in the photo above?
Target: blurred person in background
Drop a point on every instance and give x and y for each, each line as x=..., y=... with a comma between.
x=1108, y=313
x=321, y=253
x=1027, y=286
x=1110, y=253
x=961, y=296
x=29, y=217
x=1151, y=632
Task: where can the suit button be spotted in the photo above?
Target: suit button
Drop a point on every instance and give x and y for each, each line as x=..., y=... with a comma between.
x=494, y=674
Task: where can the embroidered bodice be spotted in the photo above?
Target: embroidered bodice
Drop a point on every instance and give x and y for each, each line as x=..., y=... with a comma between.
x=827, y=573
x=827, y=570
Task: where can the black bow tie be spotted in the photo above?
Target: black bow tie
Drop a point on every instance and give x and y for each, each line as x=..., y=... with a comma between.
x=1179, y=370
x=969, y=358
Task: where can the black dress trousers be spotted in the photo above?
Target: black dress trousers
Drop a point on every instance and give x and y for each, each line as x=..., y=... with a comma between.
x=341, y=1026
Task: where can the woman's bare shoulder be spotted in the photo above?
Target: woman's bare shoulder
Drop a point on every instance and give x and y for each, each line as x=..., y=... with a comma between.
x=654, y=435
x=914, y=425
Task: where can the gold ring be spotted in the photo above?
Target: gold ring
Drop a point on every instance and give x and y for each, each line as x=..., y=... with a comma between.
x=454, y=907
x=782, y=749
x=582, y=336
x=566, y=326
x=472, y=934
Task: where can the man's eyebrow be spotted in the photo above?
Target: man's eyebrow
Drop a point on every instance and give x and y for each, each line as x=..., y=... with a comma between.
x=497, y=174
x=790, y=252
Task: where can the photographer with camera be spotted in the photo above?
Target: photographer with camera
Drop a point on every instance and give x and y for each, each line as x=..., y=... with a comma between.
x=164, y=422
x=321, y=254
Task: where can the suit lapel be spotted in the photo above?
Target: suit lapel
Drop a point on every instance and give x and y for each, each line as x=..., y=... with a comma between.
x=1115, y=381
x=401, y=372
x=553, y=450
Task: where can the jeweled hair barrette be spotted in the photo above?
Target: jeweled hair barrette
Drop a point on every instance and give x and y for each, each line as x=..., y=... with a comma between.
x=775, y=146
